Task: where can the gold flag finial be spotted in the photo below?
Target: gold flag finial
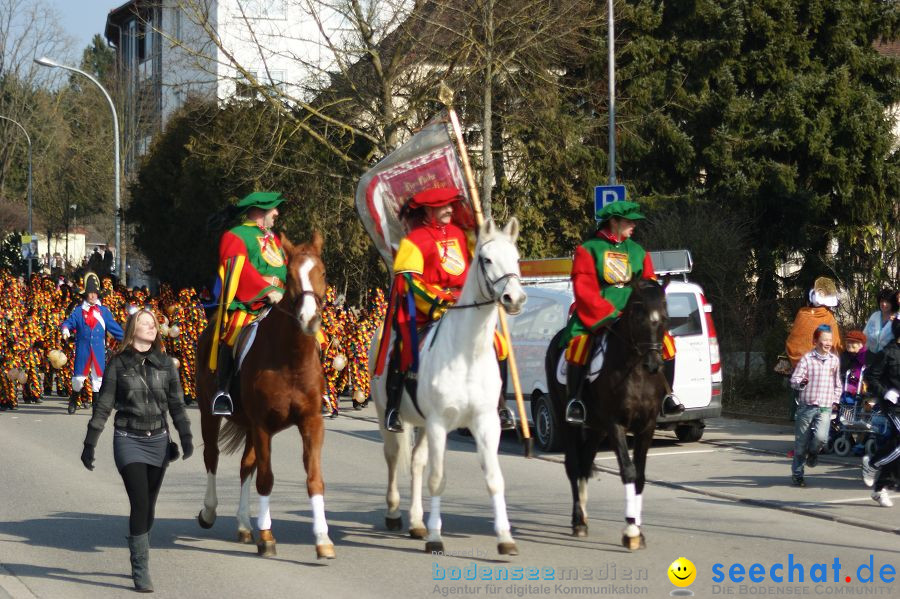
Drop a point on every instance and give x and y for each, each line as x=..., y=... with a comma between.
x=445, y=94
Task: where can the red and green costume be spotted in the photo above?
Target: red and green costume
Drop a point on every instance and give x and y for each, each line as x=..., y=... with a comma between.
x=252, y=263
x=601, y=270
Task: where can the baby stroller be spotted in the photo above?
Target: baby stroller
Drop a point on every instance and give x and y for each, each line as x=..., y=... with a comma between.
x=856, y=425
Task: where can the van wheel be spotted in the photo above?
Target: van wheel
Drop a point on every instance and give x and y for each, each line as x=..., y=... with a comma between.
x=547, y=430
x=690, y=432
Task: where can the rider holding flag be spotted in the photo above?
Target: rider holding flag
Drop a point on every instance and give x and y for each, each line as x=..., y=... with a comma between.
x=602, y=268
x=430, y=267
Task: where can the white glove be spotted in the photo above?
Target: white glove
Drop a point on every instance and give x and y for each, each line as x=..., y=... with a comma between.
x=275, y=296
x=892, y=396
x=66, y=333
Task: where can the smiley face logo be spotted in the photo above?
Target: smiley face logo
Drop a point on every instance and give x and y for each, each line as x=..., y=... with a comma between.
x=682, y=572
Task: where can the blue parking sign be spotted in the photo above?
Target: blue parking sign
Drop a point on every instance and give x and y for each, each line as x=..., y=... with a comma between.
x=607, y=194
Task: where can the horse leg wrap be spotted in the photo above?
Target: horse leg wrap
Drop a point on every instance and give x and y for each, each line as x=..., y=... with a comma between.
x=501, y=521
x=264, y=519
x=320, y=526
x=632, y=505
x=639, y=504
x=434, y=518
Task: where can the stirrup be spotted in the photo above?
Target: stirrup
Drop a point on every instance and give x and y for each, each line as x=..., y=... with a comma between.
x=507, y=419
x=222, y=405
x=575, y=412
x=671, y=405
x=392, y=422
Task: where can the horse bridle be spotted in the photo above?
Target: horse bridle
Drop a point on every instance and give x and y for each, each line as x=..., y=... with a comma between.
x=491, y=285
x=303, y=293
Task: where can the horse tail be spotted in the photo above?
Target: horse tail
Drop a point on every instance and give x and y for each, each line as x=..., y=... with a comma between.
x=232, y=437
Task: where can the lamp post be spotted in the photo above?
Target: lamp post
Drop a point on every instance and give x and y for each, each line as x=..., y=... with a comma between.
x=611, y=46
x=30, y=227
x=48, y=62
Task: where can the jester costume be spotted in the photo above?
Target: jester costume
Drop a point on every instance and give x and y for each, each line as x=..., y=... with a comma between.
x=252, y=265
x=601, y=270
x=89, y=322
x=430, y=268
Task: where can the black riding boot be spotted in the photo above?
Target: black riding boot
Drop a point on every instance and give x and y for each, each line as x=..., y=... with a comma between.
x=671, y=405
x=507, y=419
x=394, y=388
x=576, y=413
x=222, y=404
x=139, y=546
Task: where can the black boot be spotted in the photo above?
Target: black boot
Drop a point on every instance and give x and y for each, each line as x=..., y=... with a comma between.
x=576, y=413
x=73, y=403
x=139, y=546
x=221, y=403
x=671, y=405
x=394, y=388
x=507, y=419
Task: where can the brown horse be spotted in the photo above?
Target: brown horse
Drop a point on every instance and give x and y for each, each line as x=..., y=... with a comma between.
x=281, y=385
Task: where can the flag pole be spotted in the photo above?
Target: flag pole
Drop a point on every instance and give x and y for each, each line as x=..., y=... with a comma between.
x=445, y=94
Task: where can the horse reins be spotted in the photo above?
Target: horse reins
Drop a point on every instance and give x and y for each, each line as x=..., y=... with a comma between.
x=491, y=285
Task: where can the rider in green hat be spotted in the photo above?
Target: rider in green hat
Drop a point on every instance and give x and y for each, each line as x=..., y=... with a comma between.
x=601, y=270
x=252, y=274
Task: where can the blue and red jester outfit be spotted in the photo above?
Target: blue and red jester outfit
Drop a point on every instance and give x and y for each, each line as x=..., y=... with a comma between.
x=90, y=323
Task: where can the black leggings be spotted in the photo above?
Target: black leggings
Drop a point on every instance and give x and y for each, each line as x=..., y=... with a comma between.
x=142, y=482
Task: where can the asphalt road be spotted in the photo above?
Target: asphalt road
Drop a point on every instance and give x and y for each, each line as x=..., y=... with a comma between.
x=724, y=501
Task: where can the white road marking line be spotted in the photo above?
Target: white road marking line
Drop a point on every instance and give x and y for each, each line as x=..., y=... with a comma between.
x=866, y=498
x=662, y=453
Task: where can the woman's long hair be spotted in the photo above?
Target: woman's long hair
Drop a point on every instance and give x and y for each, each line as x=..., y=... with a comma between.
x=128, y=339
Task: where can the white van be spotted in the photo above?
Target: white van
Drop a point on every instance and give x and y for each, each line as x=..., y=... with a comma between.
x=698, y=371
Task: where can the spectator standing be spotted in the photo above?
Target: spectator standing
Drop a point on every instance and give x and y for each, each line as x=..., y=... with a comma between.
x=107, y=261
x=878, y=327
x=817, y=378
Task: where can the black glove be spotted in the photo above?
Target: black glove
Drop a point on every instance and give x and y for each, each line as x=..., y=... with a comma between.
x=87, y=456
x=187, y=447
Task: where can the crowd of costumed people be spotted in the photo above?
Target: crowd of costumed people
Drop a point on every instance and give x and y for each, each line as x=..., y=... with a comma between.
x=36, y=360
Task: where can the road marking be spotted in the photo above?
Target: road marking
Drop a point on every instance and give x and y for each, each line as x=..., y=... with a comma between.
x=662, y=453
x=866, y=498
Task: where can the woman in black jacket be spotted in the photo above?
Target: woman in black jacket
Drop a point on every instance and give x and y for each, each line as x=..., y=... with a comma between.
x=143, y=384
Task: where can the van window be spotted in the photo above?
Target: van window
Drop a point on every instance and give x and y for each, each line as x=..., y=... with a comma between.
x=684, y=314
x=541, y=319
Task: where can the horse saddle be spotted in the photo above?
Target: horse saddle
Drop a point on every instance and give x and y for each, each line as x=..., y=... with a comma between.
x=597, y=352
x=246, y=338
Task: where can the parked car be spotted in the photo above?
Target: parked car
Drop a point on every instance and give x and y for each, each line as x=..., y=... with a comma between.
x=698, y=370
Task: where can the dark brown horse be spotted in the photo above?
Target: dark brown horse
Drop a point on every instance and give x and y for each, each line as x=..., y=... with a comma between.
x=625, y=398
x=281, y=385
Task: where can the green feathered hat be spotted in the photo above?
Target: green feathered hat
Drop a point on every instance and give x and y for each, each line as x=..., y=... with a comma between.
x=624, y=209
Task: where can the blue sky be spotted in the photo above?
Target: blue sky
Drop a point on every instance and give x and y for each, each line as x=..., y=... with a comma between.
x=81, y=19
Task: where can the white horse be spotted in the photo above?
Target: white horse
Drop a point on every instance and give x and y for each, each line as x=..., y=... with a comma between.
x=458, y=386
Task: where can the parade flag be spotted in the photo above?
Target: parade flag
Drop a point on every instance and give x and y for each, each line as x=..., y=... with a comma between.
x=427, y=160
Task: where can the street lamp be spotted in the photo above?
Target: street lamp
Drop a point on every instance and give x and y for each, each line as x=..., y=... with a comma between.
x=48, y=62
x=30, y=227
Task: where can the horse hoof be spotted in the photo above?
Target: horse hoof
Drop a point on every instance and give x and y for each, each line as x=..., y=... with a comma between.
x=507, y=549
x=203, y=523
x=393, y=523
x=633, y=543
x=245, y=537
x=434, y=547
x=325, y=551
x=418, y=532
x=579, y=530
x=265, y=547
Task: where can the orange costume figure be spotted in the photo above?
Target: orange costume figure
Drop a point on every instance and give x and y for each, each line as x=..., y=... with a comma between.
x=822, y=298
x=430, y=267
